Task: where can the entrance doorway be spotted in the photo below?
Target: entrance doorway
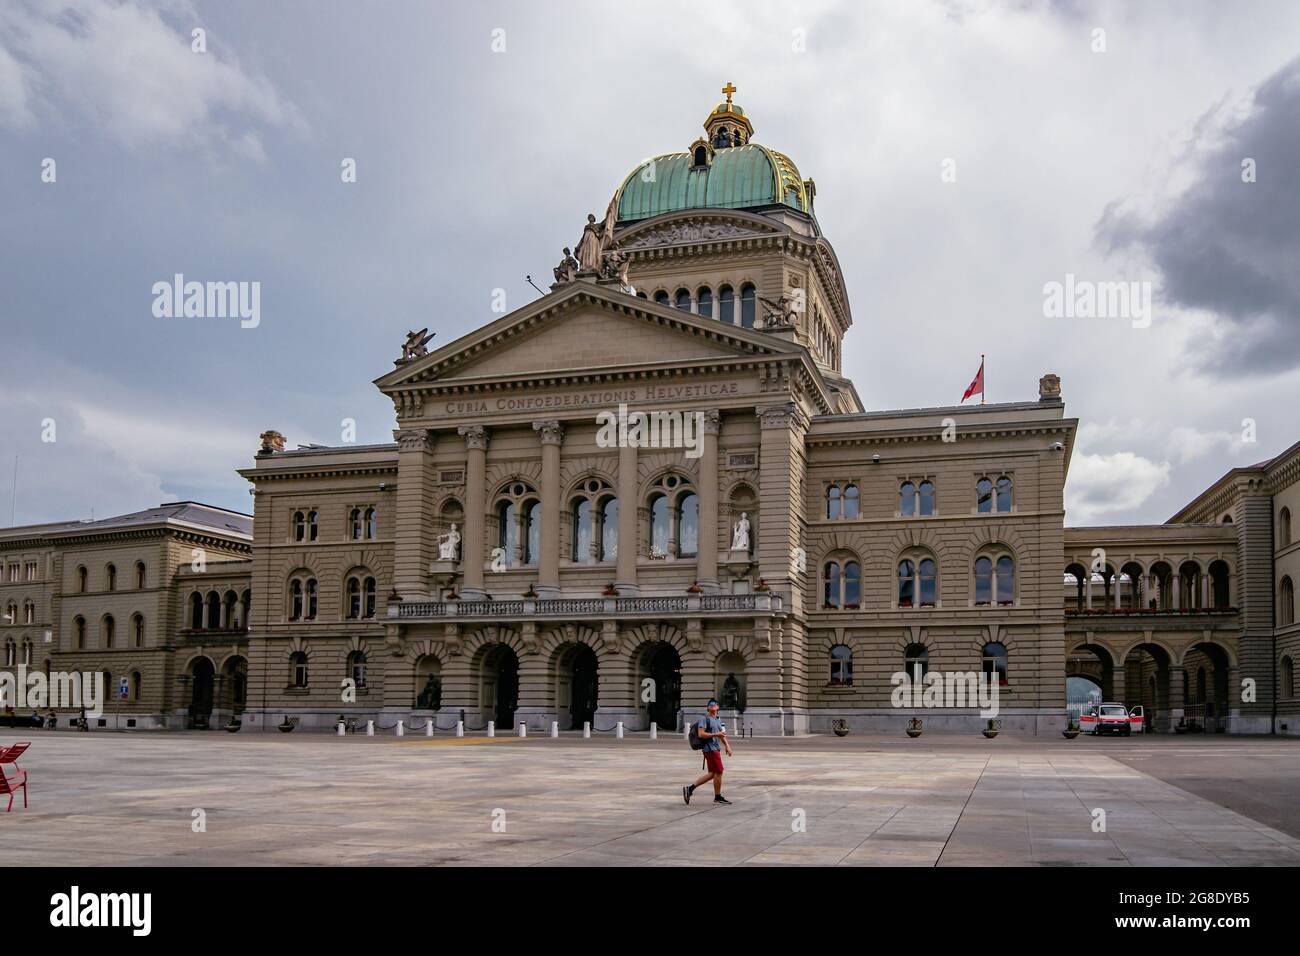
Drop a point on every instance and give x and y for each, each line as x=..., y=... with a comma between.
x=499, y=695
x=579, y=665
x=665, y=669
x=201, y=692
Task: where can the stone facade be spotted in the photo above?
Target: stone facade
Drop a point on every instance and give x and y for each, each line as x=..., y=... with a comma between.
x=529, y=550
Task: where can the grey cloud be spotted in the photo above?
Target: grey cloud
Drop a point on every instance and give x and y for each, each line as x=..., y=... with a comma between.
x=1233, y=248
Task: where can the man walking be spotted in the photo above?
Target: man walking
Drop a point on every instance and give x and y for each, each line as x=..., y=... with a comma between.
x=715, y=739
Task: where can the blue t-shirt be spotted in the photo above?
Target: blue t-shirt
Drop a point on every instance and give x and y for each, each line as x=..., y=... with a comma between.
x=714, y=726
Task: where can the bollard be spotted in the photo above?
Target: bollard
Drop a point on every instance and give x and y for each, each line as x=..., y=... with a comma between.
x=460, y=728
x=342, y=729
x=654, y=731
x=401, y=730
x=555, y=728
x=370, y=728
x=428, y=728
x=586, y=729
x=523, y=729
x=618, y=731
x=492, y=728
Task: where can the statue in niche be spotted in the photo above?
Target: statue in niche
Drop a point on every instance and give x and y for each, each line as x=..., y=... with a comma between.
x=449, y=545
x=431, y=697
x=740, y=534
x=731, y=694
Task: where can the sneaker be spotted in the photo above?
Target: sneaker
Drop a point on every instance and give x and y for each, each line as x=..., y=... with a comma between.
x=721, y=799
x=686, y=794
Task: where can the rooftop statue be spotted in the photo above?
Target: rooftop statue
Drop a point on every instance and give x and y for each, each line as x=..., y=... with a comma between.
x=417, y=343
x=567, y=270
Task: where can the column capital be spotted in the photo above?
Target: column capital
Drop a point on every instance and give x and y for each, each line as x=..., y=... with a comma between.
x=552, y=432
x=712, y=421
x=787, y=415
x=476, y=436
x=413, y=439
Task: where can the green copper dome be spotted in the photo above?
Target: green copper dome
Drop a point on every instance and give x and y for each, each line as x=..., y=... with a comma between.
x=738, y=177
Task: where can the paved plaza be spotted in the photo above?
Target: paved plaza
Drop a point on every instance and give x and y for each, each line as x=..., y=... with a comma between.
x=273, y=799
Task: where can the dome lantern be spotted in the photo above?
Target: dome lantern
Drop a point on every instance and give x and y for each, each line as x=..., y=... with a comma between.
x=727, y=125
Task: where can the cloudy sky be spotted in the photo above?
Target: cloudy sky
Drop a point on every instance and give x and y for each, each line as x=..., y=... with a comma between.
x=1107, y=141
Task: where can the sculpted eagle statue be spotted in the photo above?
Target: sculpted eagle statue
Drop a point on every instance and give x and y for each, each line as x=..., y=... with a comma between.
x=416, y=343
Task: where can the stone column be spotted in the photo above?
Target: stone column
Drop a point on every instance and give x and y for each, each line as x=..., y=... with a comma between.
x=707, y=555
x=413, y=549
x=476, y=442
x=548, y=562
x=628, y=502
x=1175, y=695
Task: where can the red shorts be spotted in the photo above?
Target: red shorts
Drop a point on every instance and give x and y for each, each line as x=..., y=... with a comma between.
x=713, y=758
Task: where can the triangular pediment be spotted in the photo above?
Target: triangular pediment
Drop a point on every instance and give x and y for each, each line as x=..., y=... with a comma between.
x=581, y=328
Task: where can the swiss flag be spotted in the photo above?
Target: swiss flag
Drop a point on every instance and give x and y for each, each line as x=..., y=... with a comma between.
x=977, y=385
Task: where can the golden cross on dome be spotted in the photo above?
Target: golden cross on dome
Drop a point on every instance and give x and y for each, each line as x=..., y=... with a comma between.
x=729, y=89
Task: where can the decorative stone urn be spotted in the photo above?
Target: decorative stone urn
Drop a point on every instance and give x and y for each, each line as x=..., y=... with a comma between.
x=840, y=727
x=991, y=729
x=1071, y=730
x=914, y=728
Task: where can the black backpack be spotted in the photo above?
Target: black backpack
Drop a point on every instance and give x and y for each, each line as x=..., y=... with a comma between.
x=693, y=736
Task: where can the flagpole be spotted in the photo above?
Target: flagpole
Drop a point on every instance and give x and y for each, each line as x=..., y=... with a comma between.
x=984, y=379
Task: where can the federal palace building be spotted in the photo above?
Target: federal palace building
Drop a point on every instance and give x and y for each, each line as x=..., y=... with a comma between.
x=748, y=530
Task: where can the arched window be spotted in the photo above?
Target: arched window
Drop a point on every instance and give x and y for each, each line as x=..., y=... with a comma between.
x=688, y=525
x=354, y=524
x=683, y=300
x=850, y=501
x=659, y=526
x=137, y=630
x=299, y=526
x=995, y=661
x=608, y=529
x=917, y=582
x=357, y=668
x=82, y=579
x=1286, y=602
x=704, y=298
x=833, y=501
x=842, y=584
x=508, y=530
x=841, y=666
x=11, y=613
x=360, y=596
x=726, y=305
x=1004, y=493
x=312, y=526
x=372, y=523
x=110, y=574
x=139, y=575
x=79, y=631
x=906, y=583
x=916, y=662
x=302, y=598
x=831, y=585
x=1284, y=528
x=533, y=533
x=926, y=498
x=196, y=610
x=298, y=669
x=584, y=527
x=27, y=652
x=11, y=653
x=1288, y=677
x=747, y=306
x=29, y=612
x=907, y=499
x=995, y=579
x=701, y=156
x=214, y=610
x=135, y=685
x=108, y=630
x=661, y=297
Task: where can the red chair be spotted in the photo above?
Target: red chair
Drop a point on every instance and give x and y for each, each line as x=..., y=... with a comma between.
x=12, y=754
x=12, y=786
